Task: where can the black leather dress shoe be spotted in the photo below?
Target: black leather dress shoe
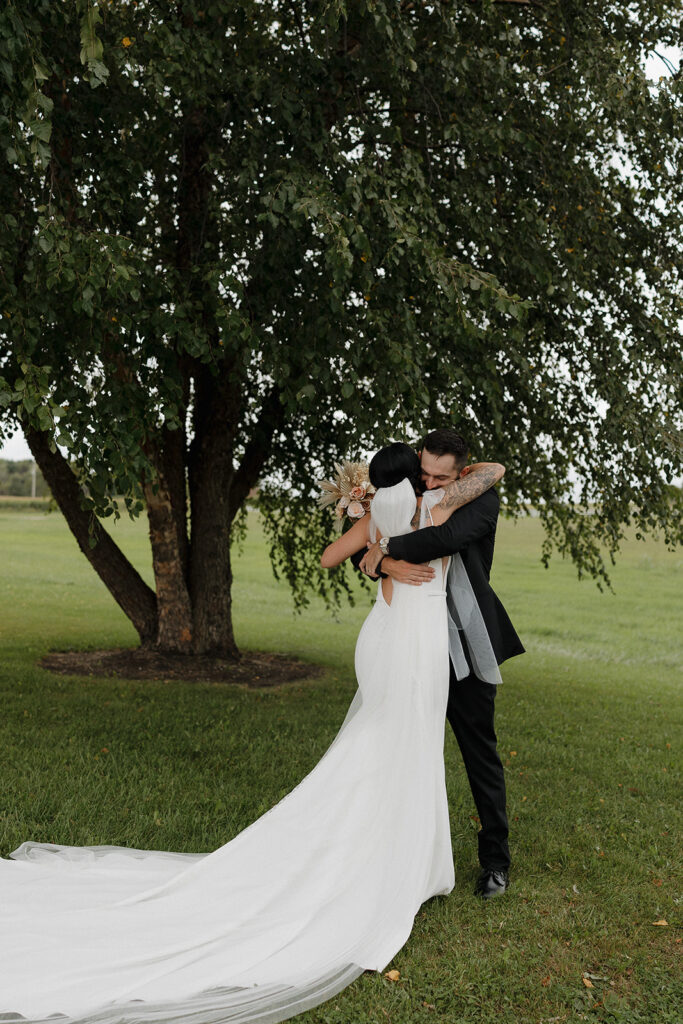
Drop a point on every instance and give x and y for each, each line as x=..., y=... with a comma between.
x=491, y=882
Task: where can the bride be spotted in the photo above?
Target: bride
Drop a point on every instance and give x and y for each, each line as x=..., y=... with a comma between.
x=322, y=887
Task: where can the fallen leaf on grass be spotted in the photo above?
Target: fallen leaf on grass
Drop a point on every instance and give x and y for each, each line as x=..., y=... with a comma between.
x=588, y=983
x=392, y=975
x=662, y=923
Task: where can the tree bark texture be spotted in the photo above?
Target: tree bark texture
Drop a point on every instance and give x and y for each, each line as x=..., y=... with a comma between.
x=216, y=408
x=166, y=513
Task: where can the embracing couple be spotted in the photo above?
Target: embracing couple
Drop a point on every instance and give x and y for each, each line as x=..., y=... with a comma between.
x=449, y=544
x=326, y=884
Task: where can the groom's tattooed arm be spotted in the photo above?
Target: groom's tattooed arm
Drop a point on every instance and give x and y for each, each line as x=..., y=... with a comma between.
x=460, y=528
x=459, y=492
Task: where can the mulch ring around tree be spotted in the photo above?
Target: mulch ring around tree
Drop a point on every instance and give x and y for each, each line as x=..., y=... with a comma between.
x=254, y=668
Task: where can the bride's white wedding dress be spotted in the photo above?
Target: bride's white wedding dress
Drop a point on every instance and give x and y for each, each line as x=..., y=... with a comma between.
x=319, y=889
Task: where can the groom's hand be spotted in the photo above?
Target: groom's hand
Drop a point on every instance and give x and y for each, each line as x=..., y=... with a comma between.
x=401, y=571
x=407, y=572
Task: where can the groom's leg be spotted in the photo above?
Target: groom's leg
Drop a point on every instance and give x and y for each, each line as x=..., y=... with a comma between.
x=470, y=712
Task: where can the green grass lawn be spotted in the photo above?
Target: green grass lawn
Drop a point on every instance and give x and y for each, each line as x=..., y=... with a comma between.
x=587, y=720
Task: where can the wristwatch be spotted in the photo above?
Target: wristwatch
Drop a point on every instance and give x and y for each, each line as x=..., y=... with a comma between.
x=384, y=545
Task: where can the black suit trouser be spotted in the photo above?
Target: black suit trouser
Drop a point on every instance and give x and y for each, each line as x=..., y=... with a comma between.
x=470, y=711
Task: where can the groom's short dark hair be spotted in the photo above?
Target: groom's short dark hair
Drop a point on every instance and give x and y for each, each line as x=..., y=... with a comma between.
x=446, y=442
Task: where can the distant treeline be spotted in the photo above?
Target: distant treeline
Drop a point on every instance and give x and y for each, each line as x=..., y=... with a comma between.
x=16, y=479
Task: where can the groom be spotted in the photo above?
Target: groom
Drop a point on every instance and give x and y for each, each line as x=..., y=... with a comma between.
x=471, y=532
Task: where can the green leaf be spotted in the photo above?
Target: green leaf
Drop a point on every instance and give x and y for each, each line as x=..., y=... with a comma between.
x=41, y=129
x=44, y=102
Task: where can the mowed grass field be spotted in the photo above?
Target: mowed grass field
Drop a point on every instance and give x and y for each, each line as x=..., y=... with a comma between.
x=589, y=725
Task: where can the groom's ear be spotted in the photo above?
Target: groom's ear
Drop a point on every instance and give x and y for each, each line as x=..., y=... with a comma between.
x=465, y=470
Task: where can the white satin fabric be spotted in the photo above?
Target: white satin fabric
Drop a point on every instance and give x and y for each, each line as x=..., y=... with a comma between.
x=319, y=889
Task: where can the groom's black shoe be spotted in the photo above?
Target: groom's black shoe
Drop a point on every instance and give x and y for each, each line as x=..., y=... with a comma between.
x=492, y=882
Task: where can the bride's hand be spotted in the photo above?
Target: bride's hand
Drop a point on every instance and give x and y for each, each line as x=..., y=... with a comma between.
x=371, y=560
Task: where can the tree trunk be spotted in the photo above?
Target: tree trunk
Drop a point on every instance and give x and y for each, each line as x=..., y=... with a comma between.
x=135, y=598
x=217, y=492
x=192, y=609
x=166, y=513
x=211, y=470
x=211, y=575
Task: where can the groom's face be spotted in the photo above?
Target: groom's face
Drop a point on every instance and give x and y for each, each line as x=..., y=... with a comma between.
x=437, y=470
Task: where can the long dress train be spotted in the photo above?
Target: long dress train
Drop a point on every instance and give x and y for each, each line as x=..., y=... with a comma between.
x=322, y=887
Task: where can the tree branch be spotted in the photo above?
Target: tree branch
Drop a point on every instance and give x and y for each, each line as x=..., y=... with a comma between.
x=121, y=579
x=258, y=449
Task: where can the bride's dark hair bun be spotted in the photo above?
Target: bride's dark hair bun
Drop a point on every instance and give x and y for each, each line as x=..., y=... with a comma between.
x=394, y=463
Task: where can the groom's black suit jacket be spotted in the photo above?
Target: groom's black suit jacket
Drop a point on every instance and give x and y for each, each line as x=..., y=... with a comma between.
x=471, y=531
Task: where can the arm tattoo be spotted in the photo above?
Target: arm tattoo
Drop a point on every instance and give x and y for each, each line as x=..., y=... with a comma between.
x=460, y=492
x=415, y=521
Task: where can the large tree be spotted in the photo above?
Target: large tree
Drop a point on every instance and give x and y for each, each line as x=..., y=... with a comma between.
x=240, y=240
